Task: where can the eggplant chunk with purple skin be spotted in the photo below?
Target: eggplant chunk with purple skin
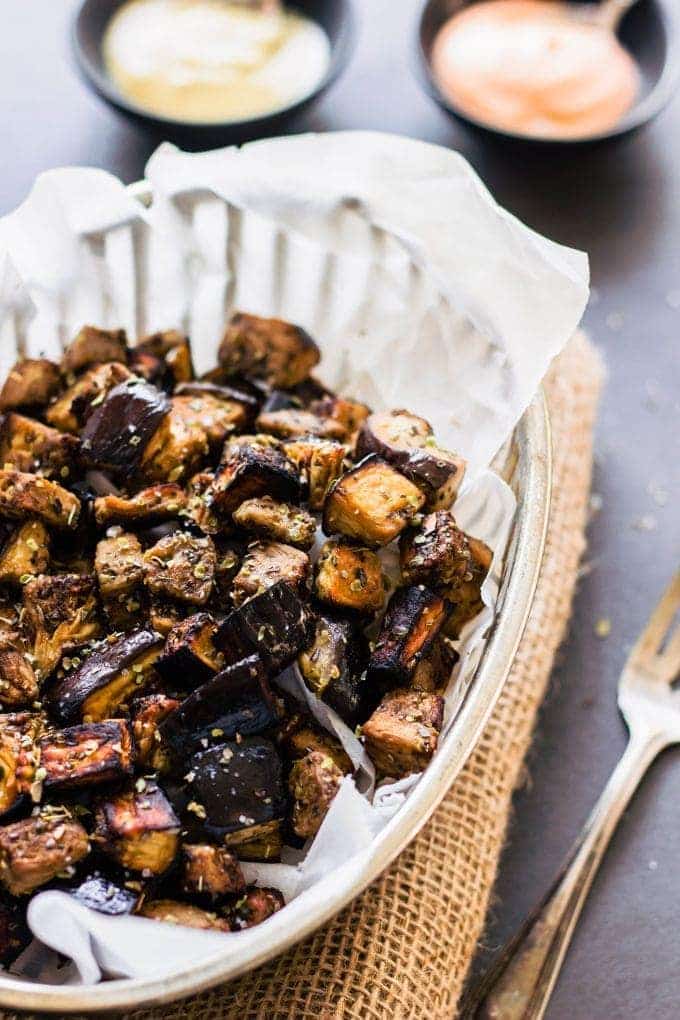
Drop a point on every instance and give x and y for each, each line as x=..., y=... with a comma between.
x=271, y=349
x=30, y=383
x=280, y=522
x=60, y=615
x=372, y=502
x=275, y=625
x=119, y=568
x=172, y=349
x=138, y=829
x=26, y=495
x=291, y=423
x=148, y=713
x=189, y=656
x=320, y=463
x=72, y=408
x=181, y=567
x=37, y=849
x=175, y=912
x=333, y=668
x=235, y=702
x=255, y=906
x=410, y=625
x=121, y=427
x=25, y=553
x=177, y=447
x=349, y=578
x=101, y=894
x=313, y=782
x=93, y=345
x=402, y=734
x=211, y=872
x=266, y=564
x=149, y=506
x=28, y=445
x=437, y=553
x=19, y=732
x=349, y=414
x=251, y=468
x=107, y=678
x=85, y=755
x=466, y=595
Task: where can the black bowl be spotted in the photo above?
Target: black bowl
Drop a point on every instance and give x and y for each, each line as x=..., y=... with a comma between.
x=89, y=25
x=650, y=31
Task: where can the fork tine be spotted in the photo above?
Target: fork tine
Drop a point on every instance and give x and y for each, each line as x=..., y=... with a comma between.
x=650, y=640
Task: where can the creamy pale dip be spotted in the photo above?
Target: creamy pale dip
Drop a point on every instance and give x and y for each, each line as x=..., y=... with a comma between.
x=210, y=60
x=533, y=68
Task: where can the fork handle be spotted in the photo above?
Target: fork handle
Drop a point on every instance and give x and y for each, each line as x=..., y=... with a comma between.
x=520, y=983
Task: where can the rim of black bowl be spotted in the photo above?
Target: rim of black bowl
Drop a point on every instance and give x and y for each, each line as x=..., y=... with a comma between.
x=643, y=111
x=341, y=51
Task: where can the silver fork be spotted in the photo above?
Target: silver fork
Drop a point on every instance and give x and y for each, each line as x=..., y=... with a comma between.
x=519, y=985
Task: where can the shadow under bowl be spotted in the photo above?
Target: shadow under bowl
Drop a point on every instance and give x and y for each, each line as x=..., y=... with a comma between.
x=89, y=25
x=650, y=31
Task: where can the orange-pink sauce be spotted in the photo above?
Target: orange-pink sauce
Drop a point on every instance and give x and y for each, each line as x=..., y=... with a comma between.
x=532, y=68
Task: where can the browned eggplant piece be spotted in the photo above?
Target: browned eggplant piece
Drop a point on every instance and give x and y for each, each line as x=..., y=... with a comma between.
x=107, y=678
x=371, y=502
x=281, y=522
x=92, y=345
x=291, y=423
x=138, y=829
x=433, y=671
x=320, y=463
x=26, y=495
x=15, y=935
x=164, y=614
x=266, y=564
x=185, y=914
x=234, y=787
x=181, y=567
x=300, y=734
x=271, y=349
x=257, y=843
x=411, y=623
x=147, y=715
x=402, y=734
x=86, y=755
x=25, y=553
x=349, y=578
x=333, y=667
x=466, y=594
x=217, y=416
x=60, y=615
x=199, y=504
x=37, y=849
x=349, y=414
x=172, y=348
x=313, y=783
x=238, y=701
x=189, y=655
x=255, y=906
x=31, y=383
x=18, y=682
x=250, y=469
x=101, y=894
x=119, y=568
x=148, y=506
x=28, y=445
x=230, y=553
x=72, y=408
x=19, y=732
x=211, y=872
x=407, y=442
x=178, y=446
x=121, y=427
x=437, y=553
x=274, y=625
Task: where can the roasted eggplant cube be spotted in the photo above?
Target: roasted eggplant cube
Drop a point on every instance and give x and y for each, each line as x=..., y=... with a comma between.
x=173, y=349
x=437, y=553
x=18, y=682
x=101, y=894
x=218, y=416
x=60, y=615
x=333, y=668
x=402, y=734
x=407, y=442
x=211, y=872
x=271, y=349
x=93, y=345
x=107, y=678
x=19, y=732
x=138, y=829
x=300, y=734
x=199, y=504
x=28, y=445
x=25, y=553
x=291, y=423
x=466, y=595
x=121, y=427
x=86, y=755
x=349, y=414
x=31, y=383
x=27, y=495
x=255, y=906
x=72, y=408
x=313, y=783
x=236, y=702
x=254, y=469
x=189, y=656
x=147, y=507
x=433, y=671
x=178, y=446
x=234, y=787
x=281, y=522
x=275, y=625
x=269, y=563
x=411, y=623
x=320, y=463
x=119, y=568
x=349, y=578
x=147, y=715
x=185, y=914
x=164, y=614
x=372, y=502
x=181, y=567
x=37, y=849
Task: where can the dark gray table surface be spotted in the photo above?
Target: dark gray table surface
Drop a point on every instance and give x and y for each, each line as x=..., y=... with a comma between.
x=622, y=205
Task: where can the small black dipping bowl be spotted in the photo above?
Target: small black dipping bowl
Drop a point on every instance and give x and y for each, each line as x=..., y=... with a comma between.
x=89, y=25
x=650, y=31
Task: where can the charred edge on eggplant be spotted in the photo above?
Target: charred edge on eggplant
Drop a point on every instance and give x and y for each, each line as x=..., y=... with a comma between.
x=138, y=829
x=275, y=625
x=411, y=623
x=279, y=352
x=189, y=655
x=120, y=428
x=86, y=755
x=333, y=667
